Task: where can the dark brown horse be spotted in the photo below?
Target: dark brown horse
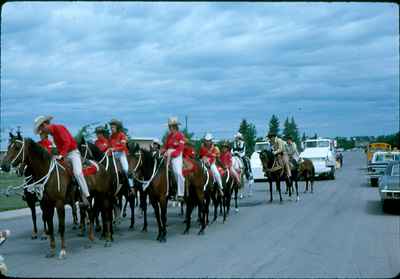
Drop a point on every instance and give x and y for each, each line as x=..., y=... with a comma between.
x=146, y=168
x=57, y=184
x=307, y=172
x=274, y=172
x=92, y=152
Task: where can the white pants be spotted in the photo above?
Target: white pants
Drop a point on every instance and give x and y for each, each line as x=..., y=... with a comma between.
x=75, y=157
x=216, y=175
x=177, y=163
x=121, y=157
x=235, y=174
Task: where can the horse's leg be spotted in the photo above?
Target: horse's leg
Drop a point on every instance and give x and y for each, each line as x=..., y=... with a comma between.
x=49, y=211
x=156, y=208
x=82, y=226
x=131, y=199
x=216, y=201
x=297, y=187
x=163, y=208
x=289, y=182
x=270, y=189
x=31, y=201
x=236, y=196
x=61, y=227
x=189, y=209
x=278, y=184
x=106, y=220
x=143, y=198
x=74, y=215
x=312, y=183
x=45, y=231
x=124, y=208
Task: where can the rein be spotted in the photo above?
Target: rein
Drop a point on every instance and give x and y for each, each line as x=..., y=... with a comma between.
x=22, y=150
x=156, y=169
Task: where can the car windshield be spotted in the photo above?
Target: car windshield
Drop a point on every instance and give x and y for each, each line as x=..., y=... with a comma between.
x=396, y=170
x=387, y=157
x=261, y=146
x=397, y=157
x=322, y=143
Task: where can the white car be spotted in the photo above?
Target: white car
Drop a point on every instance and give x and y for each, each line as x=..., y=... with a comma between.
x=256, y=165
x=322, y=153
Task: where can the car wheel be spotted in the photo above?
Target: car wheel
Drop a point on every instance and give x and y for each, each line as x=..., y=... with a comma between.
x=374, y=182
x=332, y=174
x=385, y=205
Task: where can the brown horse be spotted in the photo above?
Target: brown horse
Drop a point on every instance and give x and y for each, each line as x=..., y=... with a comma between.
x=57, y=183
x=92, y=152
x=274, y=172
x=147, y=169
x=199, y=183
x=307, y=172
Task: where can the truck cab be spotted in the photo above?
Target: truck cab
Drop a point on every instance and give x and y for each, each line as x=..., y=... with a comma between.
x=322, y=153
x=255, y=162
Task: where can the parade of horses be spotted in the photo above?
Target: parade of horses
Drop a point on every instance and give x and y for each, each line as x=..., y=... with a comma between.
x=100, y=175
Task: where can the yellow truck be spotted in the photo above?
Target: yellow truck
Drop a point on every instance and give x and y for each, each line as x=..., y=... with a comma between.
x=377, y=146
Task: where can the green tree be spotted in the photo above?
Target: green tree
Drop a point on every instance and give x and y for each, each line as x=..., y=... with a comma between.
x=274, y=125
x=287, y=129
x=248, y=130
x=294, y=131
x=303, y=137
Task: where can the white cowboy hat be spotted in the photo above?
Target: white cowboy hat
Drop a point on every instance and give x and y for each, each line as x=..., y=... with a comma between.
x=173, y=121
x=208, y=136
x=238, y=135
x=39, y=121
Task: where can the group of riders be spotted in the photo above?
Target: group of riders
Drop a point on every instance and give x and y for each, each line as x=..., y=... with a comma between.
x=176, y=147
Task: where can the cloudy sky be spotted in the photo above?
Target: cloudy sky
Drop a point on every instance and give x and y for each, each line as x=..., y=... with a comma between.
x=333, y=67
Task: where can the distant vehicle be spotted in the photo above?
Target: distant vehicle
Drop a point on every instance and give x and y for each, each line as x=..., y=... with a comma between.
x=340, y=149
x=256, y=165
x=322, y=153
x=376, y=146
x=378, y=164
x=389, y=184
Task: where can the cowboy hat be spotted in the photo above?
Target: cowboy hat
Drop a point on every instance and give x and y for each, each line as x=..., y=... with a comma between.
x=115, y=122
x=39, y=121
x=100, y=130
x=208, y=136
x=239, y=135
x=173, y=121
x=271, y=134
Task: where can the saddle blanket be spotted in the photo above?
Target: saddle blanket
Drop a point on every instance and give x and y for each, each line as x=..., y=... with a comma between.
x=188, y=167
x=91, y=169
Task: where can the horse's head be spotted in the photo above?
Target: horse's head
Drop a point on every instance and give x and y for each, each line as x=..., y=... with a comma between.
x=267, y=158
x=140, y=160
x=15, y=152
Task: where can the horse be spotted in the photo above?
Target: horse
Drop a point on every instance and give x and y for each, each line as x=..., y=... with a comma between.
x=153, y=173
x=274, y=172
x=31, y=198
x=57, y=183
x=307, y=171
x=198, y=182
x=91, y=151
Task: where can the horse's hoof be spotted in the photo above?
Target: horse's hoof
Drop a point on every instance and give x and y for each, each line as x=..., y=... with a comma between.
x=74, y=227
x=144, y=230
x=43, y=237
x=51, y=254
x=186, y=231
x=297, y=199
x=34, y=237
x=132, y=227
x=62, y=254
x=98, y=229
x=201, y=232
x=124, y=215
x=107, y=244
x=236, y=210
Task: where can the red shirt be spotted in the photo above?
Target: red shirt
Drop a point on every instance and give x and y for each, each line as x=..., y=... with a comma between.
x=46, y=144
x=226, y=159
x=63, y=139
x=211, y=153
x=118, y=142
x=102, y=143
x=175, y=141
x=188, y=152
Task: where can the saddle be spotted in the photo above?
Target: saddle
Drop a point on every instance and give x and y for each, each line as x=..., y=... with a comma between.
x=89, y=167
x=188, y=166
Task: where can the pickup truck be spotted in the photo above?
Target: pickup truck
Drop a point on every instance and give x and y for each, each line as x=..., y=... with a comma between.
x=378, y=164
x=389, y=185
x=322, y=154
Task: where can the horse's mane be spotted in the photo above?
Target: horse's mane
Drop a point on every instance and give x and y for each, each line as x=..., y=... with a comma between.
x=37, y=149
x=148, y=159
x=269, y=155
x=97, y=154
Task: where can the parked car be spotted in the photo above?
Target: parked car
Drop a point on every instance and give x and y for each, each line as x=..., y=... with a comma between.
x=378, y=164
x=322, y=153
x=389, y=184
x=256, y=165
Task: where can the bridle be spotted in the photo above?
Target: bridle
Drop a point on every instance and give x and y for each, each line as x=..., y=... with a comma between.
x=21, y=151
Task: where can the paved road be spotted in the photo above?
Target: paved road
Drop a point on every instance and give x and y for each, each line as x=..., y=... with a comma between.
x=339, y=231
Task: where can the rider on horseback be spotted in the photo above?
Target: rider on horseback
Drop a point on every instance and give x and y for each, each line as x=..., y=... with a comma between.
x=209, y=153
x=226, y=159
x=67, y=147
x=117, y=143
x=173, y=148
x=101, y=142
x=291, y=150
x=279, y=150
x=239, y=150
